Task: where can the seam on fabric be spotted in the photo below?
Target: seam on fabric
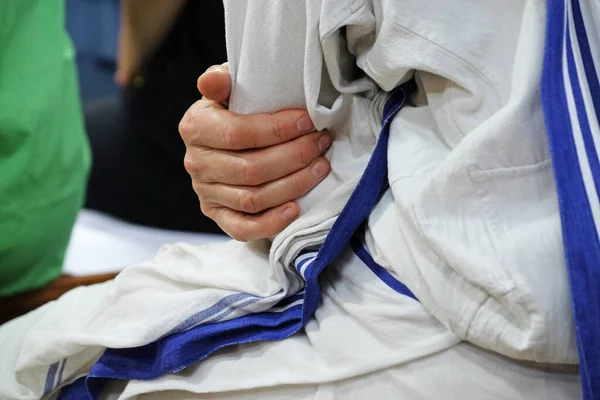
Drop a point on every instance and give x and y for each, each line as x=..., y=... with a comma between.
x=450, y=114
x=438, y=262
x=493, y=225
x=340, y=24
x=473, y=316
x=481, y=74
x=228, y=302
x=525, y=302
x=398, y=176
x=513, y=171
x=450, y=111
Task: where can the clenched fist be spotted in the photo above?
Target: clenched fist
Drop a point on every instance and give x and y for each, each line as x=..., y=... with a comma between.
x=248, y=169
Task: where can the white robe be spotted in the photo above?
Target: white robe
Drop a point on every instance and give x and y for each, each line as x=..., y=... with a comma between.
x=470, y=223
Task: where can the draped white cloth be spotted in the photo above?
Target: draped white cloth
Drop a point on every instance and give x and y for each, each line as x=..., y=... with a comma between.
x=470, y=223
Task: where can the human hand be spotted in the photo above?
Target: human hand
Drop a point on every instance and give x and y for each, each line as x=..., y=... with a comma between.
x=129, y=57
x=247, y=170
x=144, y=25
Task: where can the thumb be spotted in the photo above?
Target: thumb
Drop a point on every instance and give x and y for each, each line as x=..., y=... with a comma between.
x=215, y=83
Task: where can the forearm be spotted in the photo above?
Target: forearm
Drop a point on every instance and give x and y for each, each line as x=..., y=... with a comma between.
x=144, y=24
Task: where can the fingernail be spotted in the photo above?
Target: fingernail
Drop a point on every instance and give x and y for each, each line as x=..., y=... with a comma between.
x=289, y=213
x=324, y=142
x=320, y=168
x=305, y=124
x=215, y=68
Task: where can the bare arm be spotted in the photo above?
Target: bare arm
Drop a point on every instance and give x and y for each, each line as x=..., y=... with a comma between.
x=144, y=24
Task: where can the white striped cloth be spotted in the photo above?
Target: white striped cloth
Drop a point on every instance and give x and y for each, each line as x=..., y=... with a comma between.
x=571, y=100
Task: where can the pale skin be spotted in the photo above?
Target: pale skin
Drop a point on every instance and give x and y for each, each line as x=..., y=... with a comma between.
x=248, y=170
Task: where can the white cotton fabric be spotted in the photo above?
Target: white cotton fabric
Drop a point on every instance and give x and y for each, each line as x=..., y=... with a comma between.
x=363, y=332
x=470, y=223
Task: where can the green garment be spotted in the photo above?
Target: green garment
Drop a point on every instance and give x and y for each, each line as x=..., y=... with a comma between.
x=44, y=153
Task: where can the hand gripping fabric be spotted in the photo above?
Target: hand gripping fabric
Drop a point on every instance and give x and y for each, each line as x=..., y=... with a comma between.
x=180, y=350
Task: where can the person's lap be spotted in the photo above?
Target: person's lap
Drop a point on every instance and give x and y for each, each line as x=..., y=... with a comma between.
x=365, y=339
x=355, y=330
x=460, y=372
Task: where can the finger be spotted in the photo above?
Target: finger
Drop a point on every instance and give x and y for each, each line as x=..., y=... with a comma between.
x=122, y=79
x=255, y=199
x=204, y=124
x=255, y=167
x=191, y=123
x=247, y=227
x=215, y=83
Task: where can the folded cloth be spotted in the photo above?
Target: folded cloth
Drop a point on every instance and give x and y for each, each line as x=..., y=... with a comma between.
x=470, y=221
x=180, y=350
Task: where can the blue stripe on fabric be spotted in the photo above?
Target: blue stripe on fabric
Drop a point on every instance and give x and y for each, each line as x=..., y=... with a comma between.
x=210, y=312
x=232, y=309
x=306, y=267
x=182, y=349
x=579, y=232
x=382, y=273
x=50, y=376
x=60, y=371
x=358, y=207
x=586, y=55
x=588, y=316
x=179, y=351
x=584, y=122
x=303, y=262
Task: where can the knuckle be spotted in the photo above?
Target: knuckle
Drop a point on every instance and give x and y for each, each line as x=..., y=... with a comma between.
x=201, y=164
x=297, y=185
x=206, y=210
x=197, y=122
x=189, y=163
x=185, y=127
x=305, y=153
x=251, y=202
x=195, y=167
x=277, y=128
x=252, y=172
x=200, y=110
x=201, y=190
x=229, y=134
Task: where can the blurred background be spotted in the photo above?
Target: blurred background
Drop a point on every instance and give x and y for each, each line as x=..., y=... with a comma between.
x=94, y=28
x=137, y=66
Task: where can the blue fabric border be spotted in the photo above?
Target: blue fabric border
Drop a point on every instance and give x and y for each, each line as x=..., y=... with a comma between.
x=180, y=350
x=582, y=248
